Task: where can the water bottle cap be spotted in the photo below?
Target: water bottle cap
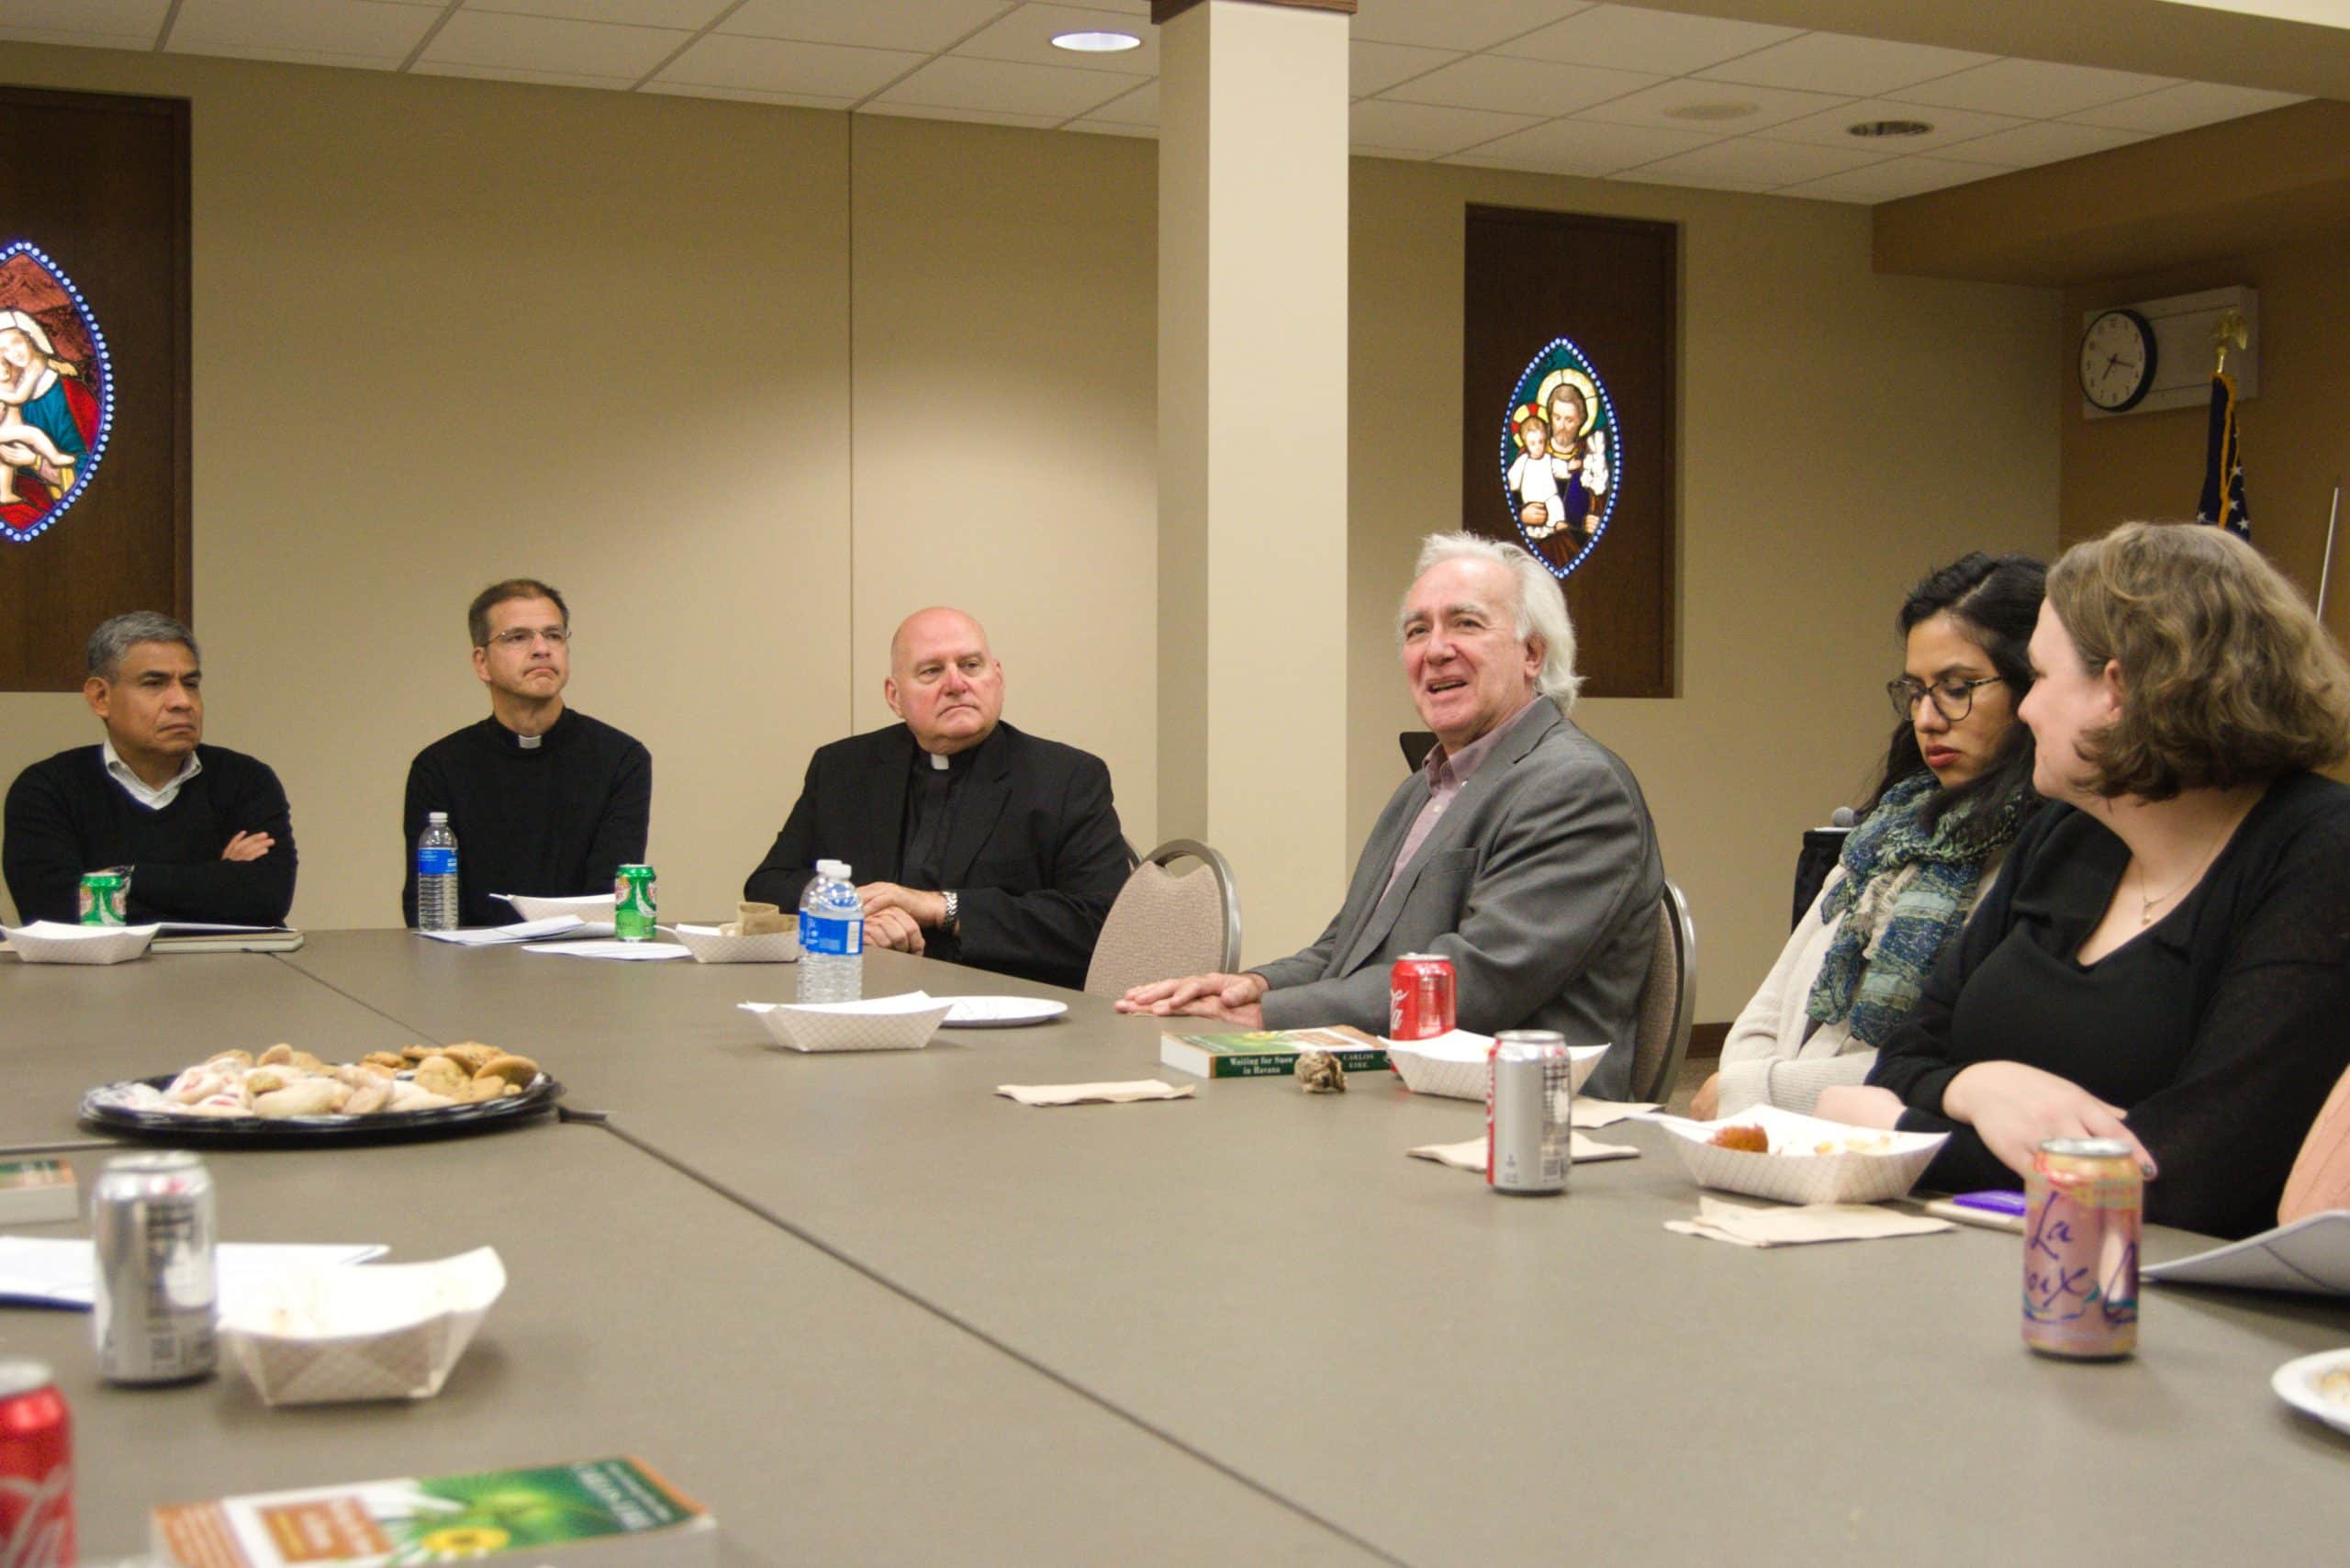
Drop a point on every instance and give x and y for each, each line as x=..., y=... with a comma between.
x=836, y=869
x=436, y=817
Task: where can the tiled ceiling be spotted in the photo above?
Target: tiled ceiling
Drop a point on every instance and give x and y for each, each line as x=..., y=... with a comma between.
x=1557, y=86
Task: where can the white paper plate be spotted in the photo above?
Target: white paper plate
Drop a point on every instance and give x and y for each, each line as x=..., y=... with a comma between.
x=54, y=942
x=1456, y=1066
x=709, y=945
x=2296, y=1384
x=1836, y=1178
x=998, y=1012
x=587, y=906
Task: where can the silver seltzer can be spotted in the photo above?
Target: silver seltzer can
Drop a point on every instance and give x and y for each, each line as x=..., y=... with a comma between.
x=153, y=1223
x=1529, y=1106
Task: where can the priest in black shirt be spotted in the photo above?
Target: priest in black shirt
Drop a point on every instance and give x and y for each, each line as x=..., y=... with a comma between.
x=970, y=840
x=543, y=799
x=202, y=832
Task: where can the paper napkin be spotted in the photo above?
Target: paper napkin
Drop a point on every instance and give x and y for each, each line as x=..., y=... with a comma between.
x=1745, y=1225
x=1470, y=1153
x=1589, y=1112
x=1092, y=1093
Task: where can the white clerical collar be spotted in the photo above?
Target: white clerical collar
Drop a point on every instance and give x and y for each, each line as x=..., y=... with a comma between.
x=139, y=789
x=939, y=764
x=529, y=743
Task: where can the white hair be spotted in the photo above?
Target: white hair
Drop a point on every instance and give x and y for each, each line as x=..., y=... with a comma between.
x=1540, y=612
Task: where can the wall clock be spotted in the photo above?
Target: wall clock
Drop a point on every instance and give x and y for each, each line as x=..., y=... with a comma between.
x=2117, y=366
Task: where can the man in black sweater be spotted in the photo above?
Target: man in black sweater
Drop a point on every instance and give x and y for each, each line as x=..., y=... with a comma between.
x=970, y=840
x=202, y=832
x=543, y=799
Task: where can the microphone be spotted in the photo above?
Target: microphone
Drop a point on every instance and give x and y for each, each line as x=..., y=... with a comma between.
x=1842, y=817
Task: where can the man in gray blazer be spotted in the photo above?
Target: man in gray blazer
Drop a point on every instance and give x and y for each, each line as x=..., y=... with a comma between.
x=1522, y=851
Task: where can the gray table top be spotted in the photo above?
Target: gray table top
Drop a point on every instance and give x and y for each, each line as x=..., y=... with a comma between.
x=820, y=1415
x=1450, y=1376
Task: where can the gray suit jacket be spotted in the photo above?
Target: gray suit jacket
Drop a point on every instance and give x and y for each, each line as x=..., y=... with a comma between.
x=1539, y=882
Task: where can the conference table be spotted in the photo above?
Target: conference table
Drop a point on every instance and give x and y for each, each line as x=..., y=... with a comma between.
x=868, y=1310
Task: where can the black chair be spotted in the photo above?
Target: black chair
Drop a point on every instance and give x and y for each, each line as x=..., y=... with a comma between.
x=1416, y=745
x=1821, y=848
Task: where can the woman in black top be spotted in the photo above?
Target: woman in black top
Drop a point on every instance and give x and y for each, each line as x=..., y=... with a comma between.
x=2167, y=959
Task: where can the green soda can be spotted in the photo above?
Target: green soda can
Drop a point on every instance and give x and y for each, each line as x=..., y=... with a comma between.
x=633, y=903
x=104, y=896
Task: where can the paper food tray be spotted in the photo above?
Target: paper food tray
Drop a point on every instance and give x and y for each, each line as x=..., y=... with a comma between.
x=1455, y=1065
x=381, y=1331
x=880, y=1023
x=1805, y=1178
x=709, y=945
x=54, y=942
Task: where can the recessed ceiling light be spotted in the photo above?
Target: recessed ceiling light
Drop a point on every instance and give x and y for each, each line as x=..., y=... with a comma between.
x=1096, y=43
x=1890, y=127
x=1720, y=108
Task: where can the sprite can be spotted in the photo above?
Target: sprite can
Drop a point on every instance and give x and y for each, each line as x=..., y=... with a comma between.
x=633, y=904
x=105, y=898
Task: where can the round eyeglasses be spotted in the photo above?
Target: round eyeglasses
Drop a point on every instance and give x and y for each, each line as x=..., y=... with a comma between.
x=1954, y=698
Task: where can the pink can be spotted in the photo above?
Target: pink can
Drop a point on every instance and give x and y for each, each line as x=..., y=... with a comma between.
x=2082, y=1206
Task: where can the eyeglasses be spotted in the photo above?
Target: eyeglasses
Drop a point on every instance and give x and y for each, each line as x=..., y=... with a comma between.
x=1954, y=700
x=523, y=636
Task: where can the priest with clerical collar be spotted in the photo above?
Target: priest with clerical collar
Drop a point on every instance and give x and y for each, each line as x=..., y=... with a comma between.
x=969, y=839
x=542, y=799
x=202, y=832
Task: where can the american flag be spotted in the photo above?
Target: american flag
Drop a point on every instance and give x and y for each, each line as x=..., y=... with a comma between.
x=2222, y=500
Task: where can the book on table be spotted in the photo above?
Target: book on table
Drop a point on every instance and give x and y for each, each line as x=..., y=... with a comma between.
x=603, y=1513
x=1269, y=1053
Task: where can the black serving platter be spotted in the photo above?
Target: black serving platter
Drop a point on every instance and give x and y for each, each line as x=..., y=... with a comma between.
x=102, y=1115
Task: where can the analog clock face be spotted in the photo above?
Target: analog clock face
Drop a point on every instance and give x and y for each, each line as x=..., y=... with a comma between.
x=2117, y=360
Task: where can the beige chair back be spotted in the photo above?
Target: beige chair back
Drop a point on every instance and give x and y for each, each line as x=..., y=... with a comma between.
x=1667, y=999
x=1164, y=924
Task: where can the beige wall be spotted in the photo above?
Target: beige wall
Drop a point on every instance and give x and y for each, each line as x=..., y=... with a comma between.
x=1841, y=432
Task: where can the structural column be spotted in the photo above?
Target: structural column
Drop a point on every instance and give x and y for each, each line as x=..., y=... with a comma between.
x=1252, y=450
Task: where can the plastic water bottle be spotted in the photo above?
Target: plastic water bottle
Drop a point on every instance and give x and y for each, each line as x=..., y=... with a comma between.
x=436, y=875
x=831, y=936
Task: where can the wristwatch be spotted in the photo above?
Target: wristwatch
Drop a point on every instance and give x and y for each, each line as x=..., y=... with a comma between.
x=954, y=908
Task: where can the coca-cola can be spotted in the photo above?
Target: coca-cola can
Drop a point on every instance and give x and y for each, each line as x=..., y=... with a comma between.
x=2084, y=1203
x=1419, y=997
x=1529, y=1113
x=35, y=1469
x=152, y=1225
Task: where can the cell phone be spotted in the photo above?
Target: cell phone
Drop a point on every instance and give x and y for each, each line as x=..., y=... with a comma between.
x=1995, y=1210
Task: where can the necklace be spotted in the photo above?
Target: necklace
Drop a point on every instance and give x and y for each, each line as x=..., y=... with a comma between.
x=2147, y=901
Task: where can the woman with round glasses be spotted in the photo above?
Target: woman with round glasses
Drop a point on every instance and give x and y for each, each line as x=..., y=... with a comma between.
x=1956, y=785
x=2166, y=957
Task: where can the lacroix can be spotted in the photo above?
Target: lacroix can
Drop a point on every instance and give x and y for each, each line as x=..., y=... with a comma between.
x=2083, y=1203
x=1529, y=1113
x=35, y=1469
x=105, y=898
x=1419, y=997
x=634, y=906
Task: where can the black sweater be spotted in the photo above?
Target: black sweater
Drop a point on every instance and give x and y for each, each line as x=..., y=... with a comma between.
x=554, y=820
x=2220, y=1028
x=66, y=816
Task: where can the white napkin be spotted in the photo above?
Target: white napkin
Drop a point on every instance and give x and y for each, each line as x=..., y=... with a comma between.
x=1590, y=1113
x=637, y=952
x=1744, y=1225
x=521, y=931
x=1470, y=1153
x=1092, y=1093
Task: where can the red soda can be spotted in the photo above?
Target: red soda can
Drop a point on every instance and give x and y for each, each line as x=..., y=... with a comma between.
x=2082, y=1213
x=35, y=1469
x=1419, y=997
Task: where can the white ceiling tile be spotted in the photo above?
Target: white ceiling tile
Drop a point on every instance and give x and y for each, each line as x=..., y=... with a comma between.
x=1111, y=128
x=970, y=116
x=1518, y=86
x=113, y=24
x=1375, y=67
x=749, y=95
x=1426, y=128
x=1629, y=38
x=1457, y=24
x=1401, y=154
x=1891, y=180
x=1706, y=106
x=1140, y=107
x=1584, y=147
x=1838, y=62
x=774, y=65
x=1950, y=126
x=338, y=29
x=927, y=25
x=1746, y=161
x=691, y=15
x=2043, y=141
x=2035, y=89
x=537, y=78
x=1028, y=33
x=2183, y=108
x=541, y=43
x=1665, y=174
x=1008, y=87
